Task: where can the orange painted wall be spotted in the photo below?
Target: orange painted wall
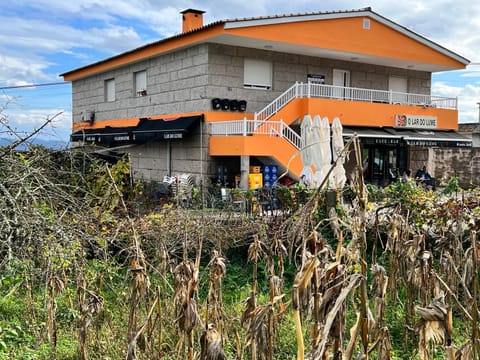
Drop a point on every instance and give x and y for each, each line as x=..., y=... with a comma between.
x=210, y=116
x=357, y=113
x=257, y=145
x=342, y=34
x=347, y=34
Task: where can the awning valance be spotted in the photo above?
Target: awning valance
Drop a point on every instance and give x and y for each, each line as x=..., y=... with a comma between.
x=432, y=138
x=146, y=130
x=168, y=129
x=105, y=135
x=370, y=135
x=393, y=136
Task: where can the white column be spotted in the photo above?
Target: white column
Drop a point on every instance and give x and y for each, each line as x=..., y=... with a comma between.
x=244, y=170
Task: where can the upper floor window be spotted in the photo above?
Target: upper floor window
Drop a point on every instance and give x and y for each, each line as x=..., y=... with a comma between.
x=140, y=79
x=257, y=74
x=366, y=24
x=110, y=90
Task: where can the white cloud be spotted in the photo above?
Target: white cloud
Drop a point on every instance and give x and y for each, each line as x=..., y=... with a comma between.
x=26, y=121
x=16, y=69
x=468, y=97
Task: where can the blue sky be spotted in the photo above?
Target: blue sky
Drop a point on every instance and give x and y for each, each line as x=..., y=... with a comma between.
x=40, y=39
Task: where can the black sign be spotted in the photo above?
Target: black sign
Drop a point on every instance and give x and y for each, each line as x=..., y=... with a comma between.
x=172, y=136
x=437, y=143
x=316, y=79
x=379, y=141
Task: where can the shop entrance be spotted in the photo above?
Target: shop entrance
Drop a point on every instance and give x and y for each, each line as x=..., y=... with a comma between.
x=383, y=164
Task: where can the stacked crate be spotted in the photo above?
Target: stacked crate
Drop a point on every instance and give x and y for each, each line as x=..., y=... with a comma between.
x=255, y=178
x=269, y=174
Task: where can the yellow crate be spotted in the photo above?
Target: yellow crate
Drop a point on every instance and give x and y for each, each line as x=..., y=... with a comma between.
x=255, y=181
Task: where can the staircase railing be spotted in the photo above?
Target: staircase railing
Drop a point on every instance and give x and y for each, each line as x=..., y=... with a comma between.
x=253, y=127
x=312, y=90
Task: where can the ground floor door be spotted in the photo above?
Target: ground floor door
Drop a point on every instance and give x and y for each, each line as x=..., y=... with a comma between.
x=383, y=164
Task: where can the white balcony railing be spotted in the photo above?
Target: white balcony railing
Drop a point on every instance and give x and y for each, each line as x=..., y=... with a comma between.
x=253, y=127
x=311, y=90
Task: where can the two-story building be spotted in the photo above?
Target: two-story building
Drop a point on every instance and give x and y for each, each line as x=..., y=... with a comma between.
x=218, y=98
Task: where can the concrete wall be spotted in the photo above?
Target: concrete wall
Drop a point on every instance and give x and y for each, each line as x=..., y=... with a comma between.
x=187, y=80
x=226, y=74
x=443, y=163
x=190, y=155
x=459, y=162
x=175, y=83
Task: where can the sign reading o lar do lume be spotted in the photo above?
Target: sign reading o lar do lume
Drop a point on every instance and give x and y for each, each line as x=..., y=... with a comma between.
x=415, y=121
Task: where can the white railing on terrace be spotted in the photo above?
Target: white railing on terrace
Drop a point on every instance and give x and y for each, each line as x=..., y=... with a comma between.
x=253, y=127
x=311, y=90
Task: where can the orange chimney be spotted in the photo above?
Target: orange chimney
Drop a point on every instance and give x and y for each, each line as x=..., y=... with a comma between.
x=192, y=19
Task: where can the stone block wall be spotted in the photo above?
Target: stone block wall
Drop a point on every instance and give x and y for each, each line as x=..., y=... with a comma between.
x=225, y=69
x=175, y=83
x=190, y=155
x=460, y=162
x=188, y=79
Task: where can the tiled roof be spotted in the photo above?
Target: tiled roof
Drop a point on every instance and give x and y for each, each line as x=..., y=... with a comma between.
x=296, y=15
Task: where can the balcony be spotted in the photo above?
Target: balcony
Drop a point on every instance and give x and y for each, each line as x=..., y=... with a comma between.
x=321, y=91
x=270, y=134
x=358, y=106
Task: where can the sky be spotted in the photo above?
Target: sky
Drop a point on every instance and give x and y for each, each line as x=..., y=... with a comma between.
x=40, y=39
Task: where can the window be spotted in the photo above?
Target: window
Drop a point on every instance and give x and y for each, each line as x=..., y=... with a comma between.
x=257, y=74
x=110, y=90
x=366, y=24
x=140, y=78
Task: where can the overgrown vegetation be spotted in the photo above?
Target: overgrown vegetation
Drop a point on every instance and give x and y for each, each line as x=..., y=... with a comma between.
x=92, y=270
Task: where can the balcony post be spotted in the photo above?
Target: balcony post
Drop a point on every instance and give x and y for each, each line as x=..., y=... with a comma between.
x=244, y=126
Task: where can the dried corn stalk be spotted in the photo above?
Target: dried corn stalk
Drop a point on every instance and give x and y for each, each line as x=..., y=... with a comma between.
x=187, y=318
x=211, y=344
x=434, y=325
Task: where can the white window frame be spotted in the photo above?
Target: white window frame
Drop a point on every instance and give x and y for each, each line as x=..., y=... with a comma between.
x=257, y=74
x=109, y=90
x=140, y=83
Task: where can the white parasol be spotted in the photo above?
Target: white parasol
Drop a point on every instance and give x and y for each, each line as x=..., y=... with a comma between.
x=338, y=174
x=326, y=149
x=305, y=150
x=316, y=150
x=320, y=149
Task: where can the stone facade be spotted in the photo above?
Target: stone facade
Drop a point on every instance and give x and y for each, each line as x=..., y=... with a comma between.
x=175, y=83
x=188, y=79
x=226, y=74
x=460, y=162
x=152, y=161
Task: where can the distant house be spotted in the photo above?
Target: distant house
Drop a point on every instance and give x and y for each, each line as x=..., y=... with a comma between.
x=216, y=99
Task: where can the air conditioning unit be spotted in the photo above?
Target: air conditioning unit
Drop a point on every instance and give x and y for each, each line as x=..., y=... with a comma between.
x=88, y=115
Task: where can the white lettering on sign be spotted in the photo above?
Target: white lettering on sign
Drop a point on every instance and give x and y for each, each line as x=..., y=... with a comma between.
x=121, y=138
x=415, y=121
x=173, y=136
